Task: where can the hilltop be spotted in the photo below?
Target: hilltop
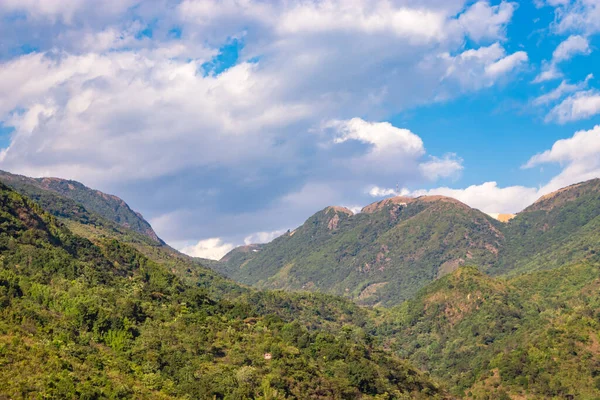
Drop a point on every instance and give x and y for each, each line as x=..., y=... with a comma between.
x=381, y=255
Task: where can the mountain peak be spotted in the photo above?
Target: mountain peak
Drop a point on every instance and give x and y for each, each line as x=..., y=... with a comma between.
x=440, y=198
x=339, y=209
x=564, y=195
x=378, y=205
x=404, y=200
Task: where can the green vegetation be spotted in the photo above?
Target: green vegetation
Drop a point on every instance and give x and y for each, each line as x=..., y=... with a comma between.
x=385, y=254
x=92, y=309
x=558, y=229
x=381, y=256
x=535, y=336
x=111, y=208
x=83, y=319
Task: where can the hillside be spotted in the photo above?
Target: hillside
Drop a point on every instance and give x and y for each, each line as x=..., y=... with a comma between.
x=535, y=336
x=382, y=255
x=97, y=226
x=105, y=205
x=559, y=228
x=394, y=247
x=115, y=313
x=100, y=320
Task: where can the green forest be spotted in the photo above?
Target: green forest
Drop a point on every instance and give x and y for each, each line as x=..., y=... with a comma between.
x=91, y=308
x=87, y=320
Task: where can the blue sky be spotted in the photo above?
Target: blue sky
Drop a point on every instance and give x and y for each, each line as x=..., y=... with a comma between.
x=229, y=122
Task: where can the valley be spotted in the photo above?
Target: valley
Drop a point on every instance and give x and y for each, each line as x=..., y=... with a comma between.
x=410, y=298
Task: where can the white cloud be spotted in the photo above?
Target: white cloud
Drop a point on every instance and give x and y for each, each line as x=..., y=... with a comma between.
x=549, y=72
x=428, y=21
x=482, y=67
x=582, y=146
x=370, y=18
x=111, y=91
x=572, y=46
x=578, y=16
x=63, y=10
x=581, y=105
x=578, y=155
x=483, y=21
x=506, y=64
x=448, y=166
x=263, y=237
x=386, y=139
x=488, y=197
x=562, y=89
x=213, y=249
x=377, y=191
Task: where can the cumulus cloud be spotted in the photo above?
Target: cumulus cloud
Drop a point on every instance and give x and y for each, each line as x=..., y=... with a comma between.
x=263, y=237
x=581, y=105
x=582, y=148
x=481, y=67
x=563, y=89
x=549, y=72
x=213, y=249
x=578, y=155
x=572, y=46
x=483, y=21
x=118, y=96
x=488, y=197
x=63, y=10
x=449, y=166
x=385, y=139
x=506, y=64
x=377, y=191
x=577, y=15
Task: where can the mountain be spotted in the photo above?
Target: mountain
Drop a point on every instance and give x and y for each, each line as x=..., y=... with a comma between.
x=392, y=248
x=105, y=205
x=559, y=228
x=83, y=319
x=381, y=255
x=535, y=336
x=113, y=313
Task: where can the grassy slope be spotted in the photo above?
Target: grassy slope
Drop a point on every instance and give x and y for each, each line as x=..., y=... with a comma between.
x=85, y=320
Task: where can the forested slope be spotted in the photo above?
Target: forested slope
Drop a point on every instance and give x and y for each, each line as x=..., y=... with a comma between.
x=95, y=320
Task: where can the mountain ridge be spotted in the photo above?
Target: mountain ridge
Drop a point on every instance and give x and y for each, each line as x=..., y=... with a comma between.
x=420, y=238
x=107, y=205
x=358, y=255
x=522, y=324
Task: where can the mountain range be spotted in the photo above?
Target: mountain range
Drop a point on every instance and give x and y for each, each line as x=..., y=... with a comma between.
x=392, y=248
x=410, y=298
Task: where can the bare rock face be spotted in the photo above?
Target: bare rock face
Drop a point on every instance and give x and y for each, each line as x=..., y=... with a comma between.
x=338, y=209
